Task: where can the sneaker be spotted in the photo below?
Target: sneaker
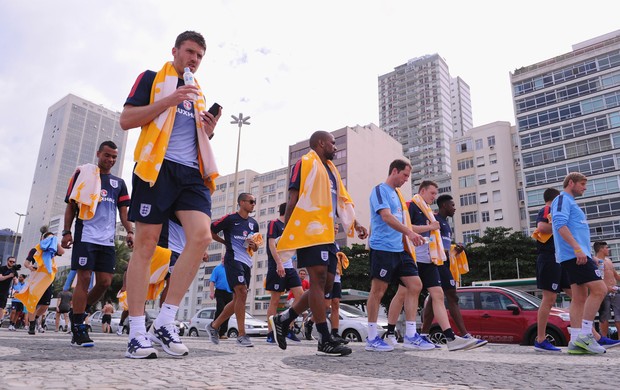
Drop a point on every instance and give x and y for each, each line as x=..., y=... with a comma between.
x=376, y=345
x=214, y=334
x=119, y=331
x=80, y=337
x=545, y=346
x=332, y=348
x=391, y=339
x=338, y=339
x=575, y=350
x=270, y=339
x=418, y=342
x=244, y=341
x=11, y=327
x=40, y=329
x=168, y=337
x=291, y=336
x=588, y=343
x=140, y=347
x=308, y=331
x=607, y=343
x=479, y=342
x=278, y=330
x=460, y=343
x=428, y=340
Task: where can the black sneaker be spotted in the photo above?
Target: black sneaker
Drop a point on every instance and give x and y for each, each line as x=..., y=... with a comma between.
x=308, y=330
x=333, y=348
x=31, y=328
x=80, y=337
x=339, y=339
x=279, y=330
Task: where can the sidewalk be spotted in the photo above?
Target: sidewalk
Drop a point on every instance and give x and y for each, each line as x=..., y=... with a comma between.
x=48, y=361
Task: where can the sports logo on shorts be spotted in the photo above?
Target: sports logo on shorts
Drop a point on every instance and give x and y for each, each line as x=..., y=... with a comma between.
x=452, y=283
x=240, y=278
x=324, y=255
x=554, y=286
x=145, y=209
x=113, y=183
x=598, y=273
x=82, y=261
x=276, y=286
x=383, y=272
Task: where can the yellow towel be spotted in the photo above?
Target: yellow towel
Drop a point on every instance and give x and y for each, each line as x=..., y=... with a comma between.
x=258, y=240
x=343, y=262
x=37, y=282
x=458, y=264
x=438, y=255
x=543, y=237
x=312, y=220
x=408, y=245
x=86, y=191
x=160, y=263
x=122, y=299
x=153, y=142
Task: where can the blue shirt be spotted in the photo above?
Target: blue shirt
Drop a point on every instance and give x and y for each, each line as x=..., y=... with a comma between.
x=382, y=236
x=236, y=230
x=566, y=212
x=445, y=230
x=218, y=277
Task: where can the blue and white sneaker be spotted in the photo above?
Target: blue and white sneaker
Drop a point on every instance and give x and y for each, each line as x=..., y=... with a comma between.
x=608, y=343
x=270, y=338
x=545, y=346
x=479, y=342
x=417, y=342
x=378, y=345
x=428, y=340
x=140, y=347
x=168, y=337
x=291, y=336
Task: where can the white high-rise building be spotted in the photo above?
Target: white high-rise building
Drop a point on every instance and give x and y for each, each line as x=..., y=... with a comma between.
x=74, y=129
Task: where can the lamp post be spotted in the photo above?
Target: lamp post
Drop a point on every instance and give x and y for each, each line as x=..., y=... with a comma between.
x=240, y=121
x=17, y=231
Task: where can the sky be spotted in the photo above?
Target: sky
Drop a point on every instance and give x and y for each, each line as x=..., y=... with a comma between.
x=293, y=66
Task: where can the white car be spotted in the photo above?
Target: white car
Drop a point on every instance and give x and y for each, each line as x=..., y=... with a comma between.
x=95, y=321
x=50, y=322
x=198, y=324
x=354, y=324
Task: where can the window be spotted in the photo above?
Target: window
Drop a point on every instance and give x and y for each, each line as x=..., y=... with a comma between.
x=493, y=158
x=498, y=215
x=491, y=140
x=482, y=179
x=281, y=183
x=466, y=300
x=259, y=277
x=494, y=176
x=468, y=199
x=468, y=236
x=480, y=161
x=466, y=181
x=257, y=305
x=497, y=196
x=479, y=144
x=469, y=217
x=271, y=210
x=485, y=216
x=484, y=197
x=494, y=301
x=465, y=164
x=262, y=212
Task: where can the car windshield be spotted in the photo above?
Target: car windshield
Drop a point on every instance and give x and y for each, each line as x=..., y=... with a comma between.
x=526, y=301
x=351, y=311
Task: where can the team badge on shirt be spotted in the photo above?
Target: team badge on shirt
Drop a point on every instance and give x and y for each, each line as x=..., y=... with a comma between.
x=187, y=105
x=113, y=183
x=240, y=278
x=145, y=209
x=251, y=225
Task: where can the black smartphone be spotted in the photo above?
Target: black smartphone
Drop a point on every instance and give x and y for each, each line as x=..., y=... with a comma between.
x=215, y=109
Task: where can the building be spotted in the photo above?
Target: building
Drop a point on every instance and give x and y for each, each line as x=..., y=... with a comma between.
x=9, y=244
x=423, y=108
x=567, y=112
x=74, y=129
x=486, y=181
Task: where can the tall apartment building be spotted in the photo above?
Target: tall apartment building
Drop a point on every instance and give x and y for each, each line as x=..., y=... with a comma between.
x=423, y=108
x=486, y=179
x=74, y=129
x=568, y=119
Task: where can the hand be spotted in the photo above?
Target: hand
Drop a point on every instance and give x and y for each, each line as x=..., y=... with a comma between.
x=280, y=270
x=458, y=248
x=185, y=92
x=209, y=121
x=130, y=240
x=212, y=295
x=252, y=245
x=415, y=238
x=362, y=233
x=433, y=225
x=67, y=241
x=581, y=257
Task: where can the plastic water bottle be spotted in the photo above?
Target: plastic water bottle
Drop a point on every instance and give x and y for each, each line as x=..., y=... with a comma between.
x=188, y=78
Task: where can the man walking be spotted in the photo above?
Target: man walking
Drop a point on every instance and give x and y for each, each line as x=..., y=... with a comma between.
x=219, y=289
x=612, y=299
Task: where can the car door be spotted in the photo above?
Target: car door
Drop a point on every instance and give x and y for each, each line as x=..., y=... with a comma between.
x=499, y=323
x=470, y=313
x=95, y=322
x=202, y=319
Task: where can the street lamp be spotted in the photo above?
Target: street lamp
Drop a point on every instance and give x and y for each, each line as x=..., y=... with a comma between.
x=17, y=232
x=240, y=121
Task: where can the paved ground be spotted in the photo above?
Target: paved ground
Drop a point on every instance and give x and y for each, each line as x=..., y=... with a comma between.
x=47, y=361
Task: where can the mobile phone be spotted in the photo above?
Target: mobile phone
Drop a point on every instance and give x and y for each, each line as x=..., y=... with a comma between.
x=215, y=109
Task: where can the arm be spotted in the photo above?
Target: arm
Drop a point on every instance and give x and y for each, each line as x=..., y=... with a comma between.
x=544, y=227
x=362, y=232
x=293, y=197
x=60, y=250
x=70, y=212
x=122, y=212
x=570, y=240
x=8, y=276
x=211, y=289
x=395, y=224
x=219, y=239
x=272, y=247
x=430, y=226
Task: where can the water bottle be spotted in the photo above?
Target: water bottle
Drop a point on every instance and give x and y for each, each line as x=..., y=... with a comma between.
x=188, y=78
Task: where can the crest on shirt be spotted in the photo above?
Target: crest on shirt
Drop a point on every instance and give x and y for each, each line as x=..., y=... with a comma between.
x=276, y=286
x=82, y=261
x=324, y=255
x=383, y=272
x=240, y=278
x=104, y=193
x=113, y=183
x=452, y=283
x=145, y=209
x=251, y=225
x=187, y=105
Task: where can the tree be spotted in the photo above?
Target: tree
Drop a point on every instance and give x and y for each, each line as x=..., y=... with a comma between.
x=502, y=249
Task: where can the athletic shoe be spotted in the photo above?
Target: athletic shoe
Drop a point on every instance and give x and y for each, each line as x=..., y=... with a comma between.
x=80, y=337
x=244, y=341
x=11, y=327
x=291, y=336
x=608, y=343
x=308, y=331
x=460, y=343
x=119, y=331
x=575, y=350
x=376, y=345
x=140, y=347
x=588, y=343
x=428, y=340
x=338, y=339
x=278, y=330
x=391, y=339
x=545, y=346
x=479, y=342
x=168, y=337
x=214, y=334
x=417, y=342
x=40, y=329
x=332, y=348
x=270, y=339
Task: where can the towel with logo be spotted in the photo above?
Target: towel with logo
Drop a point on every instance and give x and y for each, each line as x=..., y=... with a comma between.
x=436, y=249
x=42, y=278
x=458, y=264
x=86, y=190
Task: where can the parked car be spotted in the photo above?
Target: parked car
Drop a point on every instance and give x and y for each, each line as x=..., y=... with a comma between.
x=253, y=326
x=354, y=324
x=95, y=321
x=502, y=315
x=149, y=317
x=50, y=322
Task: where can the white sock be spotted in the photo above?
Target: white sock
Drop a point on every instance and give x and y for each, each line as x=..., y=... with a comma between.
x=372, y=330
x=574, y=333
x=166, y=315
x=586, y=327
x=136, y=326
x=410, y=328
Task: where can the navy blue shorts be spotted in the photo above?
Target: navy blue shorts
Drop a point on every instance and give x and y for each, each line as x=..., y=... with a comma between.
x=550, y=275
x=93, y=257
x=429, y=273
x=447, y=280
x=173, y=260
x=336, y=291
x=17, y=306
x=581, y=274
x=275, y=283
x=46, y=298
x=237, y=273
x=318, y=255
x=178, y=187
x=391, y=266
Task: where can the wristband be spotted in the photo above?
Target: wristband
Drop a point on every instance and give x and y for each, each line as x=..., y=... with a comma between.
x=578, y=250
x=66, y=232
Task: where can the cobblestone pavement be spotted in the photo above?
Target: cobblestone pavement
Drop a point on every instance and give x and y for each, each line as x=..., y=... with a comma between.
x=48, y=361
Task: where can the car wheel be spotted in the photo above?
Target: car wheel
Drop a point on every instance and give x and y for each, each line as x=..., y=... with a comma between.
x=181, y=331
x=351, y=335
x=233, y=333
x=552, y=336
x=193, y=332
x=436, y=336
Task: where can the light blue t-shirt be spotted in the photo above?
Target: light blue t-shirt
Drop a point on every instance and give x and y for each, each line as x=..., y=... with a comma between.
x=565, y=212
x=382, y=236
x=182, y=146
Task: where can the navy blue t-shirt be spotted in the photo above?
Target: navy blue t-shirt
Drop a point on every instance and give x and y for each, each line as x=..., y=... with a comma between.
x=446, y=231
x=274, y=230
x=236, y=229
x=295, y=184
x=548, y=247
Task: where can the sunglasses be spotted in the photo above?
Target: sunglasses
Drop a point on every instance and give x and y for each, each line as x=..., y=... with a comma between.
x=251, y=201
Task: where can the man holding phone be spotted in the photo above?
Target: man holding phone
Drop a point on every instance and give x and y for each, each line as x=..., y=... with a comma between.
x=175, y=173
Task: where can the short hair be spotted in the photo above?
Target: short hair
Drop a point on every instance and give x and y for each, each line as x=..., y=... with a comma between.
x=10, y=257
x=576, y=177
x=427, y=183
x=109, y=144
x=318, y=136
x=399, y=165
x=190, y=36
x=282, y=208
x=598, y=245
x=47, y=234
x=23, y=276
x=550, y=194
x=243, y=196
x=441, y=200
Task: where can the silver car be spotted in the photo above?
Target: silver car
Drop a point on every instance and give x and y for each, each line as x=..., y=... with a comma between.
x=199, y=322
x=95, y=321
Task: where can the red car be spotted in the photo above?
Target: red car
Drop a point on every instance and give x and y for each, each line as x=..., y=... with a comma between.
x=502, y=315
